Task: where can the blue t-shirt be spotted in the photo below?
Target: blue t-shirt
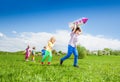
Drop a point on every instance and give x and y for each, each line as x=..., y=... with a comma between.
x=43, y=52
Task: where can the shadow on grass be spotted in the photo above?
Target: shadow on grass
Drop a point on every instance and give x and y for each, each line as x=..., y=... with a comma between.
x=38, y=63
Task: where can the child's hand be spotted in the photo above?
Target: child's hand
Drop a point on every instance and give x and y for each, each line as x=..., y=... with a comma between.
x=72, y=25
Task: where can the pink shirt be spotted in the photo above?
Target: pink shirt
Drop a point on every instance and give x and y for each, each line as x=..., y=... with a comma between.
x=27, y=51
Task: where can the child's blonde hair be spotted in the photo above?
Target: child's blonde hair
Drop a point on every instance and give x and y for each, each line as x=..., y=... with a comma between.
x=52, y=38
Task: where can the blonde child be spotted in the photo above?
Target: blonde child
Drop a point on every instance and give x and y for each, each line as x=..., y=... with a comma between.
x=27, y=53
x=48, y=51
x=33, y=53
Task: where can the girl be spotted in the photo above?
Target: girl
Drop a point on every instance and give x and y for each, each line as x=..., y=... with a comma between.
x=72, y=46
x=28, y=51
x=48, y=51
x=33, y=54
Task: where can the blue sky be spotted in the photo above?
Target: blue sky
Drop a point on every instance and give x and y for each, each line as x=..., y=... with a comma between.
x=32, y=22
x=52, y=15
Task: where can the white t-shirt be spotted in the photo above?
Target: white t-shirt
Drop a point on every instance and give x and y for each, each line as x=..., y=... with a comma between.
x=73, y=40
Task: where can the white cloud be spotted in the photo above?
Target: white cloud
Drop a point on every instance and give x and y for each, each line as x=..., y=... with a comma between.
x=62, y=37
x=1, y=34
x=98, y=42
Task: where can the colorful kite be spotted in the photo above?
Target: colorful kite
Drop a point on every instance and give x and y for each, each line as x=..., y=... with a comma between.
x=78, y=22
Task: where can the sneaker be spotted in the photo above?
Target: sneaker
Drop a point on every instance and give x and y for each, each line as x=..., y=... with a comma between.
x=48, y=63
x=26, y=60
x=42, y=63
x=76, y=66
x=61, y=62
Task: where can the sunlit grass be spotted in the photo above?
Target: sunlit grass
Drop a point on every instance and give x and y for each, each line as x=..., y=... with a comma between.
x=13, y=68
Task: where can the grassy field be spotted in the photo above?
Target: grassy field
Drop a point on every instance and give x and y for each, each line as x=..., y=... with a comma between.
x=13, y=68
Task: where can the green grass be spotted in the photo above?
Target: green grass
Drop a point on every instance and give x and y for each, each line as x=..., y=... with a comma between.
x=13, y=68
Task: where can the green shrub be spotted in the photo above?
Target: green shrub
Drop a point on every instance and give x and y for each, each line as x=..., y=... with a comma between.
x=82, y=52
x=100, y=53
x=54, y=52
x=115, y=52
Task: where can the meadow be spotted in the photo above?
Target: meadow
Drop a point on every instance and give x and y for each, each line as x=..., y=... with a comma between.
x=13, y=68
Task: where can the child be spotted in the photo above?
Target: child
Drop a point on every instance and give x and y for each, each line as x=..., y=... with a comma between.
x=33, y=54
x=28, y=51
x=72, y=46
x=48, y=51
x=43, y=51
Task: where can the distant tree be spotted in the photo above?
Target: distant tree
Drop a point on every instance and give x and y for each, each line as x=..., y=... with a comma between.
x=54, y=52
x=107, y=51
x=115, y=52
x=82, y=52
x=60, y=52
x=111, y=52
x=100, y=53
x=88, y=52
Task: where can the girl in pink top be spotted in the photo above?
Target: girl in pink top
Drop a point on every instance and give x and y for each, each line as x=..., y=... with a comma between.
x=27, y=54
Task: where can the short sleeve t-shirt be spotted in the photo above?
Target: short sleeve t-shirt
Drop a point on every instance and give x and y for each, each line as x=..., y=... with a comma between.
x=73, y=40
